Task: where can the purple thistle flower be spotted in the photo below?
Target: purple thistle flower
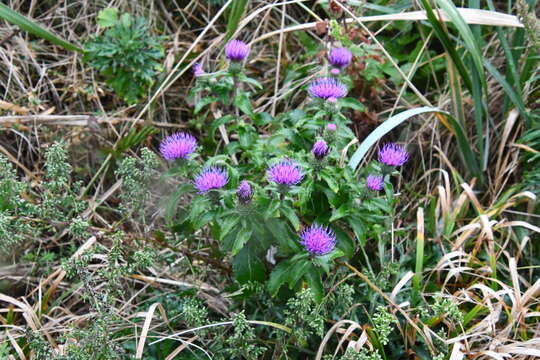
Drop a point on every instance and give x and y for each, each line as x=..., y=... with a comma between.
x=177, y=146
x=244, y=192
x=320, y=149
x=340, y=57
x=236, y=50
x=327, y=89
x=198, y=70
x=287, y=172
x=331, y=127
x=375, y=182
x=211, y=178
x=318, y=240
x=392, y=154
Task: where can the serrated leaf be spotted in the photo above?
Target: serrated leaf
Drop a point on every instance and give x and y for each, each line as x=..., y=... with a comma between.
x=227, y=225
x=278, y=277
x=242, y=102
x=242, y=237
x=340, y=212
x=247, y=266
x=202, y=103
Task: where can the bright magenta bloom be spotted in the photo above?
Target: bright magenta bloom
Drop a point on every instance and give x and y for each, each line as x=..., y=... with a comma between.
x=393, y=155
x=211, y=178
x=318, y=240
x=328, y=89
x=340, y=57
x=375, y=182
x=286, y=172
x=178, y=146
x=236, y=50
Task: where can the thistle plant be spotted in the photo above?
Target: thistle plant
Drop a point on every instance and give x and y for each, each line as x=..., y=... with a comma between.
x=285, y=191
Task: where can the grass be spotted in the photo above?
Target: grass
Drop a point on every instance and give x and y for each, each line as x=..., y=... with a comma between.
x=464, y=229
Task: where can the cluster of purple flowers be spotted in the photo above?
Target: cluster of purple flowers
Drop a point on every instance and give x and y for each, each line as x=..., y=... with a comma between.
x=390, y=154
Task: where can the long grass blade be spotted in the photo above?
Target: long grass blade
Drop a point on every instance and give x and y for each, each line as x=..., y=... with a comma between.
x=33, y=28
x=235, y=14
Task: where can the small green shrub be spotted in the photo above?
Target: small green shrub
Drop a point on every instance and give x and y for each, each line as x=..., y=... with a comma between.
x=126, y=54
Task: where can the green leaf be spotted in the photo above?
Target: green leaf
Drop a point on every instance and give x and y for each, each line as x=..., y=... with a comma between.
x=242, y=102
x=107, y=17
x=242, y=237
x=235, y=14
x=291, y=215
x=28, y=25
x=352, y=103
x=202, y=103
x=342, y=211
x=279, y=276
x=247, y=266
x=329, y=179
x=228, y=224
x=314, y=281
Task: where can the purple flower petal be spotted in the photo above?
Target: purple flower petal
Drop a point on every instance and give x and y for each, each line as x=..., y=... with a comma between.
x=393, y=155
x=178, y=146
x=327, y=89
x=286, y=172
x=318, y=240
x=236, y=50
x=211, y=178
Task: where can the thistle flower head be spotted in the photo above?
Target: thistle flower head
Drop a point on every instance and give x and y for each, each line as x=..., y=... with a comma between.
x=236, y=50
x=327, y=89
x=244, y=192
x=331, y=127
x=320, y=149
x=178, y=146
x=287, y=172
x=340, y=57
x=375, y=182
x=392, y=154
x=318, y=240
x=211, y=178
x=198, y=70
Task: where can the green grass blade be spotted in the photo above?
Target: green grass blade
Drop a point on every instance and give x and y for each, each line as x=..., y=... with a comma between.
x=383, y=129
x=419, y=267
x=448, y=45
x=28, y=25
x=510, y=91
x=235, y=14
